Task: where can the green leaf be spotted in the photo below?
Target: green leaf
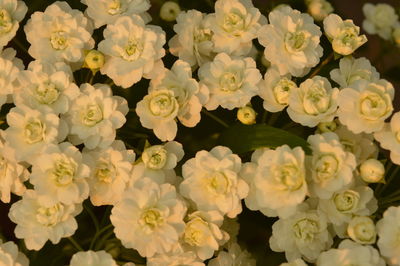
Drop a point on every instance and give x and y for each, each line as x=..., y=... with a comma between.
x=241, y=138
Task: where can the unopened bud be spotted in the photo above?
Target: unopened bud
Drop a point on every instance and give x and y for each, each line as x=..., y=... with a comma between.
x=327, y=126
x=247, y=115
x=94, y=60
x=169, y=11
x=372, y=171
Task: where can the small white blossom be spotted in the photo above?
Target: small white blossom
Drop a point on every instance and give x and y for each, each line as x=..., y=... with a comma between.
x=37, y=221
x=343, y=34
x=11, y=13
x=232, y=81
x=92, y=258
x=60, y=33
x=133, y=50
x=10, y=256
x=361, y=229
x=291, y=41
x=364, y=106
x=233, y=256
x=388, y=229
x=319, y=9
x=9, y=72
x=212, y=181
x=372, y=171
x=379, y=19
x=389, y=137
x=95, y=115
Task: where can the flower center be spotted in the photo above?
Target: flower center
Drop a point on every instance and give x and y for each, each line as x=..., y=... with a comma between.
x=64, y=171
x=373, y=106
x=114, y=7
x=34, y=131
x=305, y=230
x=233, y=23
x=326, y=167
x=162, y=104
x=46, y=93
x=218, y=183
x=155, y=157
x=133, y=50
x=296, y=41
x=92, y=115
x=229, y=82
x=151, y=219
x=59, y=40
x=202, y=35
x=3, y=167
x=195, y=232
x=105, y=171
x=282, y=90
x=316, y=100
x=290, y=176
x=5, y=21
x=50, y=216
x=346, y=202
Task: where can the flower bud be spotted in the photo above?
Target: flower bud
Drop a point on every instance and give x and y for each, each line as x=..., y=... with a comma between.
x=361, y=229
x=372, y=171
x=247, y=115
x=169, y=11
x=327, y=126
x=94, y=60
x=319, y=9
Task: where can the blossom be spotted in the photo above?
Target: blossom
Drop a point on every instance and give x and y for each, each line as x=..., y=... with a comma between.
x=388, y=229
x=233, y=256
x=10, y=256
x=92, y=258
x=303, y=234
x=193, y=40
x=95, y=115
x=175, y=259
x=361, y=229
x=59, y=174
x=31, y=131
x=313, y=102
x=108, y=11
x=212, y=181
x=133, y=50
x=37, y=221
x=379, y=19
x=344, y=35
x=149, y=218
x=232, y=81
x=10, y=69
x=111, y=169
x=291, y=41
x=277, y=181
x=352, y=69
x=275, y=89
x=331, y=167
x=319, y=9
x=372, y=171
x=364, y=106
x=389, y=137
x=63, y=36
x=47, y=87
x=11, y=13
x=235, y=24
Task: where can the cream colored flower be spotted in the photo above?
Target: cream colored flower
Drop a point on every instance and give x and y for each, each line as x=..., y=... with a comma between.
x=361, y=229
x=389, y=137
x=11, y=13
x=178, y=258
x=92, y=258
x=379, y=19
x=10, y=68
x=10, y=256
x=319, y=9
x=296, y=262
x=388, y=229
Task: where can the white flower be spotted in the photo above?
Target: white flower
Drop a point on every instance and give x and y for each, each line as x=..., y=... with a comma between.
x=372, y=171
x=388, y=229
x=235, y=24
x=275, y=90
x=330, y=167
x=60, y=33
x=343, y=204
x=389, y=137
x=186, y=91
x=233, y=256
x=192, y=42
x=149, y=218
x=10, y=256
x=59, y=175
x=277, y=181
x=11, y=13
x=364, y=106
x=304, y=235
x=133, y=50
x=111, y=169
x=95, y=115
x=37, y=221
x=92, y=258
x=361, y=229
x=352, y=69
x=9, y=71
x=47, y=87
x=188, y=258
x=350, y=253
x=108, y=11
x=343, y=34
x=12, y=174
x=169, y=11
x=379, y=19
x=319, y=9
x=313, y=102
x=291, y=41
x=31, y=131
x=212, y=181
x=232, y=81
x=296, y=262
x=158, y=163
x=158, y=111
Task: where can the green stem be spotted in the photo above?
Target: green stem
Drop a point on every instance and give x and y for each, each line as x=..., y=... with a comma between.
x=98, y=233
x=92, y=216
x=105, y=237
x=272, y=119
x=74, y=243
x=323, y=63
x=264, y=117
x=217, y=119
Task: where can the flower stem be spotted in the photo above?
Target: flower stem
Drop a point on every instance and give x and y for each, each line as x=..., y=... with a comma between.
x=98, y=233
x=74, y=243
x=217, y=119
x=323, y=63
x=92, y=216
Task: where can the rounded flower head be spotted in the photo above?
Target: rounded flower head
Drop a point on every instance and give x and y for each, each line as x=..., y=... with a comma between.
x=319, y=9
x=389, y=137
x=232, y=82
x=235, y=24
x=388, y=229
x=95, y=115
x=330, y=166
x=108, y=11
x=38, y=221
x=313, y=102
x=10, y=256
x=380, y=19
x=212, y=181
x=133, y=50
x=364, y=106
x=60, y=33
x=372, y=171
x=291, y=41
x=149, y=218
x=277, y=181
x=92, y=258
x=158, y=111
x=46, y=87
x=11, y=13
x=58, y=174
x=361, y=229
x=111, y=168
x=344, y=35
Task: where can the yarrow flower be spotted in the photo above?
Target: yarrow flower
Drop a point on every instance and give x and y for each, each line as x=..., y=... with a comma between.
x=319, y=9
x=388, y=229
x=11, y=13
x=10, y=68
x=380, y=19
x=92, y=258
x=10, y=256
x=389, y=137
x=233, y=256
